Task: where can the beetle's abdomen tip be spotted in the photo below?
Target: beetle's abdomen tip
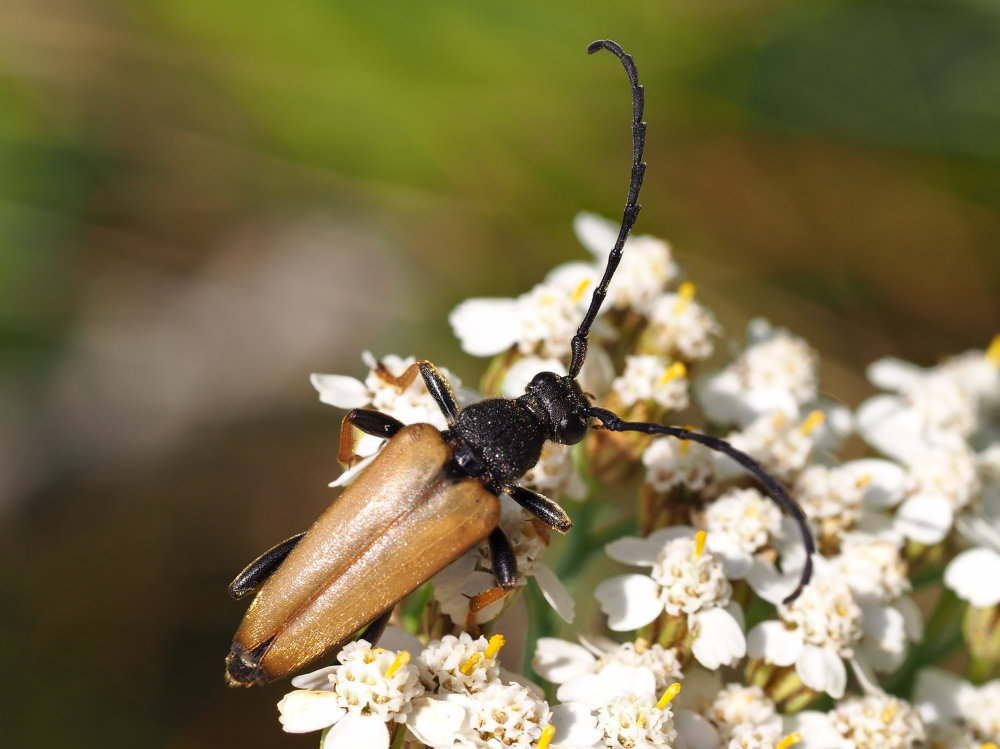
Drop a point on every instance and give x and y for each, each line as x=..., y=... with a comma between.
x=242, y=671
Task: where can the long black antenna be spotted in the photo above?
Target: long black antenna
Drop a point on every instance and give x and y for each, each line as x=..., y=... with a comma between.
x=579, y=343
x=772, y=486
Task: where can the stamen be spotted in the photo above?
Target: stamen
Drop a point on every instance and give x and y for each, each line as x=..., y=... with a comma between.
x=890, y=712
x=685, y=293
x=863, y=481
x=401, y=660
x=674, y=371
x=496, y=642
x=993, y=354
x=789, y=740
x=989, y=745
x=578, y=294
x=699, y=543
x=812, y=421
x=470, y=664
x=779, y=419
x=641, y=645
x=640, y=719
x=547, y=733
x=672, y=691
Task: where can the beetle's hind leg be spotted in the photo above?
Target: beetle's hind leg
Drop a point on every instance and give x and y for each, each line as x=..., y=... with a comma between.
x=543, y=508
x=371, y=422
x=261, y=568
x=504, y=571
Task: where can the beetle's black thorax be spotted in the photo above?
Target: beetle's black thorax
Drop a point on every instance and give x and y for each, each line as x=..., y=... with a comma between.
x=498, y=439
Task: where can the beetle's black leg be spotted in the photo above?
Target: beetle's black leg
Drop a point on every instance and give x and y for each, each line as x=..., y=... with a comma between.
x=370, y=422
x=437, y=385
x=503, y=558
x=543, y=508
x=374, y=631
x=262, y=567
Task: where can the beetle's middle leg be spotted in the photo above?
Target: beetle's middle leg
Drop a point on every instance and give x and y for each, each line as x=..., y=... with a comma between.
x=371, y=422
x=504, y=571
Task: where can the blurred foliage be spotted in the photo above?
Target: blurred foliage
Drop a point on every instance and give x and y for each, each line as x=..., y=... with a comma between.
x=831, y=164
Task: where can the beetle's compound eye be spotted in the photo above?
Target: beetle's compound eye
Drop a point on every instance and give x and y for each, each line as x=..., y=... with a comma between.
x=572, y=429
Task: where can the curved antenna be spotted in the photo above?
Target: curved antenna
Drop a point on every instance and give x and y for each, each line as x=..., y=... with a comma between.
x=771, y=485
x=579, y=342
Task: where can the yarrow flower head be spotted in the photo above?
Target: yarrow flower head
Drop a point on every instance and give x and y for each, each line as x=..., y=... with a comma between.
x=687, y=581
x=670, y=463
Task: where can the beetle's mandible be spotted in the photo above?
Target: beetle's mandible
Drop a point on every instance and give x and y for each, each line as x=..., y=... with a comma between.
x=429, y=496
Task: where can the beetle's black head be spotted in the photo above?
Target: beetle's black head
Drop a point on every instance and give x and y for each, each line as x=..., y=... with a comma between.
x=561, y=398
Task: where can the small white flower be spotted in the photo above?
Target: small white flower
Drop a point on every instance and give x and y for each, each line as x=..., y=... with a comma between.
x=671, y=462
x=646, y=268
x=686, y=579
x=942, y=482
x=946, y=699
x=740, y=523
x=541, y=321
x=504, y=715
x=680, y=327
x=932, y=406
x=815, y=632
x=460, y=664
x=555, y=475
x=590, y=678
x=783, y=446
x=370, y=687
x=650, y=378
x=776, y=372
x=879, y=720
x=636, y=721
x=738, y=709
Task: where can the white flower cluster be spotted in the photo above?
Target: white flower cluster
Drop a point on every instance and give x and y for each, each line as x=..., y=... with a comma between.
x=451, y=694
x=715, y=551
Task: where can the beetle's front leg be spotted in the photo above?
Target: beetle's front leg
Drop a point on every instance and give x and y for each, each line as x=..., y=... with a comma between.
x=543, y=508
x=437, y=385
x=375, y=423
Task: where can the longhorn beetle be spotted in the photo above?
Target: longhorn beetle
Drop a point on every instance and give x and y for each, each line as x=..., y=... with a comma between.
x=430, y=495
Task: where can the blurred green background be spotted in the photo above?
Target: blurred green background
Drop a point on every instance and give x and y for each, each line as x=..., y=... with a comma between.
x=201, y=203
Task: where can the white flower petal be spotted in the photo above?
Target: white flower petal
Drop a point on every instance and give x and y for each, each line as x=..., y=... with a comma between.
x=596, y=234
x=643, y=551
x=888, y=425
x=974, y=575
x=397, y=638
x=767, y=582
x=913, y=617
x=884, y=480
x=615, y=679
x=436, y=722
x=695, y=730
x=341, y=391
x=735, y=560
x=486, y=326
x=348, y=476
x=890, y=373
x=306, y=710
x=938, y=695
x=885, y=625
x=630, y=601
x=521, y=372
x=775, y=643
x=925, y=518
x=554, y=592
x=559, y=661
x=720, y=640
x=354, y=731
x=575, y=726
x=822, y=669
x=319, y=679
